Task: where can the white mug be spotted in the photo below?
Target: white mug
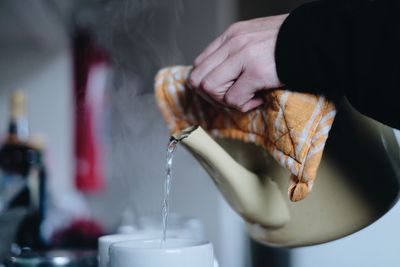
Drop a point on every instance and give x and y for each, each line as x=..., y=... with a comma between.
x=172, y=253
x=179, y=227
x=106, y=241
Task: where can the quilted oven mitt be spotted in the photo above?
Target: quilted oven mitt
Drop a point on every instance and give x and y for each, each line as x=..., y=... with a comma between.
x=293, y=127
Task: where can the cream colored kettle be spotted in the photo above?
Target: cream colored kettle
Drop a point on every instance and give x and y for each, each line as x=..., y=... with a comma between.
x=358, y=181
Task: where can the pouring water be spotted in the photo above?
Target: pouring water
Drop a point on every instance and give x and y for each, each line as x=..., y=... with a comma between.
x=171, y=148
x=172, y=145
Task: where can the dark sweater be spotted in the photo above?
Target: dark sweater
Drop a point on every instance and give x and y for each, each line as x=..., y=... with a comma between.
x=345, y=47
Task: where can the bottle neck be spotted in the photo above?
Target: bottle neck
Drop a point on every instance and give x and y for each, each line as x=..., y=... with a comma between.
x=18, y=128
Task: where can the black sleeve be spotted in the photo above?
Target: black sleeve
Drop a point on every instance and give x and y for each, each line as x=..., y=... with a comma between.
x=345, y=47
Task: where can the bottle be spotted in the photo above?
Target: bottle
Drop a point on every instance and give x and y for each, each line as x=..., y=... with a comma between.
x=22, y=175
x=13, y=156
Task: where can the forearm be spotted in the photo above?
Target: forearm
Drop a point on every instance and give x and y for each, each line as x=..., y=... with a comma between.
x=345, y=47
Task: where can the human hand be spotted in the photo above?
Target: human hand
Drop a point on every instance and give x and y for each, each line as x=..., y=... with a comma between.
x=239, y=63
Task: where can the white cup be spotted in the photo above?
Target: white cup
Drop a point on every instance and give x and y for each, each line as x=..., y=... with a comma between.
x=172, y=253
x=106, y=241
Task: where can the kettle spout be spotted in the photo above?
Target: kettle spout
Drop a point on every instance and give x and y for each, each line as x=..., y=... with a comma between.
x=257, y=201
x=184, y=133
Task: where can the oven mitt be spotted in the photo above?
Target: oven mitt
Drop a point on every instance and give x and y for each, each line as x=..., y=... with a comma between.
x=293, y=127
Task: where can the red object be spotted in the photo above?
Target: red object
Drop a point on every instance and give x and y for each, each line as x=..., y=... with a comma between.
x=81, y=233
x=90, y=65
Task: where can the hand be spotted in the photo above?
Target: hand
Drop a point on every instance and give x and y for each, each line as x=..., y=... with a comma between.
x=239, y=63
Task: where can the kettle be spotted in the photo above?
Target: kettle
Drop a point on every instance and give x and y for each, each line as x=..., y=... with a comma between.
x=358, y=181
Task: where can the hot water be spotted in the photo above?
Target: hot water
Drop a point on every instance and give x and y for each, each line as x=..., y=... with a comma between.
x=171, y=148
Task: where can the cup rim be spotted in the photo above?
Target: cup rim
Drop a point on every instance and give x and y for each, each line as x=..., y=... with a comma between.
x=191, y=243
x=123, y=237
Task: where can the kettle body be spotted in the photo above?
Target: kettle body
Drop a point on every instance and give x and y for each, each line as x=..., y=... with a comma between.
x=358, y=181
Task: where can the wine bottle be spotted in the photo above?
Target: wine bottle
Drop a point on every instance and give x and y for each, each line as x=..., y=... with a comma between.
x=15, y=156
x=22, y=174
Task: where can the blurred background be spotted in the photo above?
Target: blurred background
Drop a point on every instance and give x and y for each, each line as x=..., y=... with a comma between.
x=86, y=69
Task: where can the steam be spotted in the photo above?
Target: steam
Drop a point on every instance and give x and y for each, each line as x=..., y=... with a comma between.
x=140, y=35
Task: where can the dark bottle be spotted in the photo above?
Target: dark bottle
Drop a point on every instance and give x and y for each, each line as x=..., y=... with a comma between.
x=23, y=175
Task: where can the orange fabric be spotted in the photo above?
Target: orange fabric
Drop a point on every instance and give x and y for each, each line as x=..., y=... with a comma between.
x=293, y=127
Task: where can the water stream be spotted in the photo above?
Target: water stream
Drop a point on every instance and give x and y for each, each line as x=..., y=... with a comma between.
x=172, y=145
